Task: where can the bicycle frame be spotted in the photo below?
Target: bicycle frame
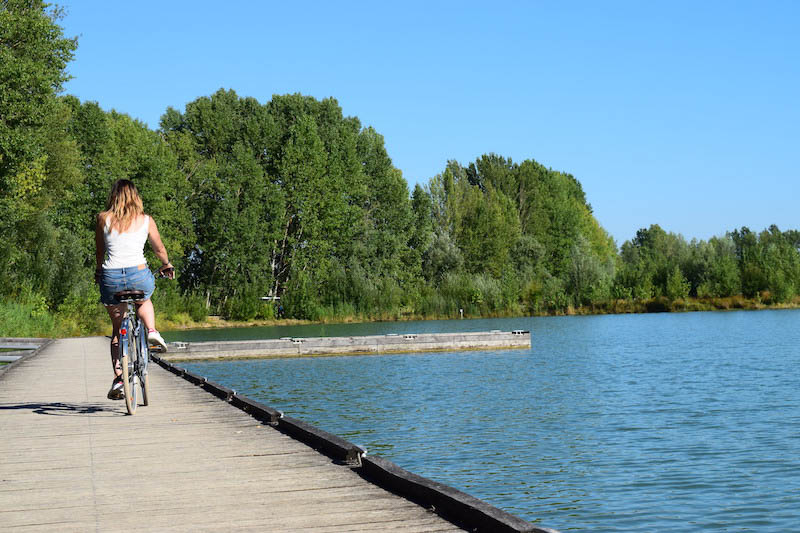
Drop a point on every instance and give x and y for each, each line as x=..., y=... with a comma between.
x=134, y=355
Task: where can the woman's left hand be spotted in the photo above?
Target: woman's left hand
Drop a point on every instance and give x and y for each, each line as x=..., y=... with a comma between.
x=167, y=271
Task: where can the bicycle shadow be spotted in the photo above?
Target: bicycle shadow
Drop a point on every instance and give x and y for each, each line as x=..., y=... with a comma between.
x=64, y=408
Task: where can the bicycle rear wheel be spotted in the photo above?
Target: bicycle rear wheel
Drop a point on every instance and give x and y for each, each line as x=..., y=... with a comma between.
x=128, y=354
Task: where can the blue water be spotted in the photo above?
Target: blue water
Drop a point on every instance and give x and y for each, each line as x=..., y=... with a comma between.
x=668, y=422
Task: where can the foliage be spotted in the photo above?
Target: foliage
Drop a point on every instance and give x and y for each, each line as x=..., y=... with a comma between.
x=498, y=217
x=769, y=263
x=677, y=286
x=33, y=58
x=762, y=266
x=289, y=189
x=292, y=199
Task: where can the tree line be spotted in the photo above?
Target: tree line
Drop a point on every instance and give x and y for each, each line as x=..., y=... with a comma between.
x=292, y=199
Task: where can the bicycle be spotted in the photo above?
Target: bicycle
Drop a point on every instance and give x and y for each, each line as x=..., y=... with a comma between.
x=134, y=350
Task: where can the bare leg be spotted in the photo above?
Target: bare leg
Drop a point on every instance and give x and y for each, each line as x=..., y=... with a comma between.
x=116, y=312
x=147, y=314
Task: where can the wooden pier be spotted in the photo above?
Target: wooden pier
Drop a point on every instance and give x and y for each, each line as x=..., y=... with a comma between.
x=71, y=460
x=12, y=348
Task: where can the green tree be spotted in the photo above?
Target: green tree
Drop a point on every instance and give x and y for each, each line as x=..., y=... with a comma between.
x=33, y=57
x=677, y=287
x=37, y=159
x=235, y=208
x=524, y=218
x=590, y=278
x=487, y=230
x=648, y=260
x=441, y=257
x=422, y=224
x=781, y=264
x=713, y=270
x=291, y=189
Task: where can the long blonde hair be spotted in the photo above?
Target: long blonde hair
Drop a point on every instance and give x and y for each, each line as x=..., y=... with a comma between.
x=123, y=206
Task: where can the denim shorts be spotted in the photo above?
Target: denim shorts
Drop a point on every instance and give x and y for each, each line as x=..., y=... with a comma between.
x=114, y=280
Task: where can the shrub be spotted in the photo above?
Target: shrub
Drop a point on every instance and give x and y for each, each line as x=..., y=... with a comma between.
x=25, y=319
x=300, y=299
x=657, y=305
x=677, y=285
x=82, y=313
x=170, y=302
x=247, y=305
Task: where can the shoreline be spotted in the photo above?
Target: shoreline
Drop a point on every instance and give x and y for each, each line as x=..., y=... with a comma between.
x=54, y=325
x=656, y=305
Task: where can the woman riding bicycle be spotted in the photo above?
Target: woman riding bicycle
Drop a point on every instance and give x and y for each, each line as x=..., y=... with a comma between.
x=121, y=232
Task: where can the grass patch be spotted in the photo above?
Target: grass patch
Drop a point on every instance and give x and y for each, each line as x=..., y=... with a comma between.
x=26, y=319
x=85, y=316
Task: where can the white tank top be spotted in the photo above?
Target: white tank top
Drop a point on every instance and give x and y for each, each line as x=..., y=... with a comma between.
x=125, y=249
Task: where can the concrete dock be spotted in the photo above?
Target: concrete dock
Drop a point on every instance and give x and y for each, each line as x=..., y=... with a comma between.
x=367, y=344
x=74, y=461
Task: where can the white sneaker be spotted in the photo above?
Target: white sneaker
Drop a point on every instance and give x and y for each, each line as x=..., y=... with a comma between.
x=156, y=341
x=116, y=392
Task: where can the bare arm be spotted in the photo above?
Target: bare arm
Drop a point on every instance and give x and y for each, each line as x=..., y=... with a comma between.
x=99, y=245
x=158, y=247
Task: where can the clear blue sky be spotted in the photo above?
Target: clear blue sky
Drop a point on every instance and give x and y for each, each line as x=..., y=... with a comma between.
x=677, y=113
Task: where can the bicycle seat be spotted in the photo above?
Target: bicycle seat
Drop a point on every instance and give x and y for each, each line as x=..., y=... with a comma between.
x=134, y=296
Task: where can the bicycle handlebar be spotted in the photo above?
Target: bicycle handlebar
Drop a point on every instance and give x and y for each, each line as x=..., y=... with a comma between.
x=168, y=273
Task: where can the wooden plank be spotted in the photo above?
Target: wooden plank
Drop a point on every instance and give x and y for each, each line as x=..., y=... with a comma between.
x=188, y=462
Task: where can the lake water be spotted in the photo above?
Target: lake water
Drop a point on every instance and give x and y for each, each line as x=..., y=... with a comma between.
x=667, y=422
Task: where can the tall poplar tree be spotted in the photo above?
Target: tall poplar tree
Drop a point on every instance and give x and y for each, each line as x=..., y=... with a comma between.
x=36, y=158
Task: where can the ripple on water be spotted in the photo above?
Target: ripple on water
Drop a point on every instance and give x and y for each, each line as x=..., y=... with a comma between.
x=612, y=423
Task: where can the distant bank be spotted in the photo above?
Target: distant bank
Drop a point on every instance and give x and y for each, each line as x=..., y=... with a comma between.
x=655, y=305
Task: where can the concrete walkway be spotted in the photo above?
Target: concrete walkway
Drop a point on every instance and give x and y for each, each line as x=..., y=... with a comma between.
x=71, y=460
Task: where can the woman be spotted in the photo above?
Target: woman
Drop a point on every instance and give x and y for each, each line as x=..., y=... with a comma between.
x=119, y=237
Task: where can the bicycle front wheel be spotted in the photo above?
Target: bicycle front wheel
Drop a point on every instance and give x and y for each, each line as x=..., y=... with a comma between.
x=144, y=367
x=127, y=360
x=145, y=391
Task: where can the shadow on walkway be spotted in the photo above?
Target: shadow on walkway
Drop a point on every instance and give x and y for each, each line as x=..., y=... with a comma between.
x=65, y=409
